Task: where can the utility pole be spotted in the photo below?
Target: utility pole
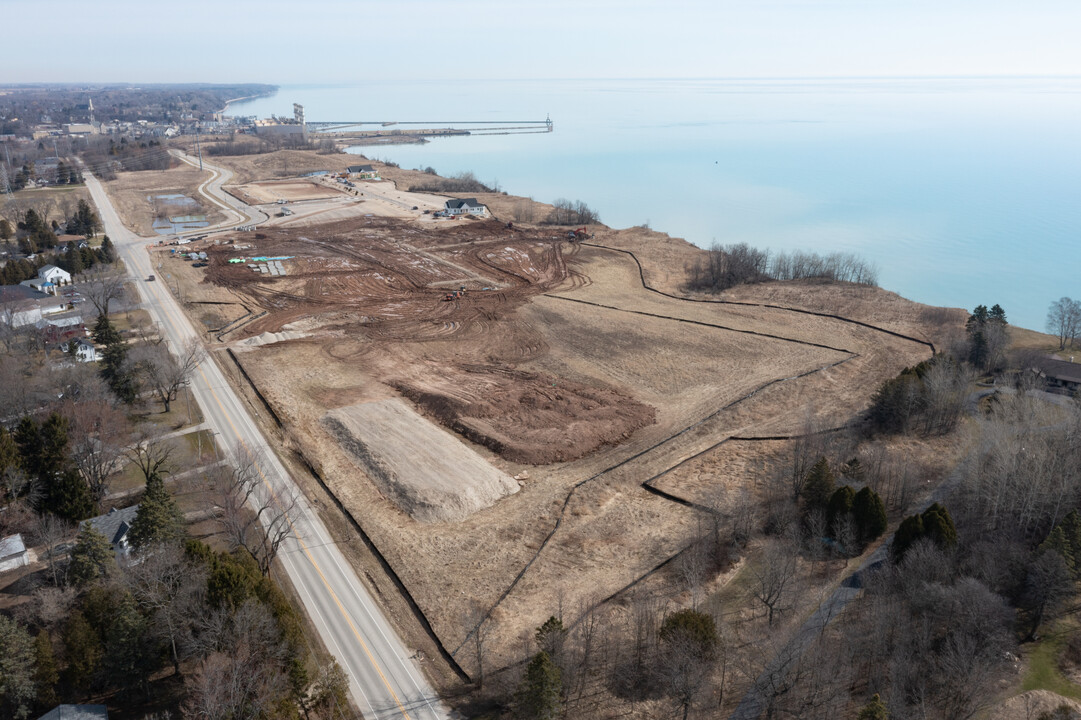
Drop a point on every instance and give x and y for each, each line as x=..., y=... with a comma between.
x=198, y=147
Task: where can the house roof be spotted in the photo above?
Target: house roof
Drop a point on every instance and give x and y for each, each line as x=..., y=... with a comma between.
x=1060, y=369
x=360, y=168
x=467, y=202
x=12, y=545
x=17, y=293
x=50, y=268
x=115, y=523
x=77, y=712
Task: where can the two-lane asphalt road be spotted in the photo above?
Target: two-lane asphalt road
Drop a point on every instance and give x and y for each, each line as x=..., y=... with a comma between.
x=383, y=680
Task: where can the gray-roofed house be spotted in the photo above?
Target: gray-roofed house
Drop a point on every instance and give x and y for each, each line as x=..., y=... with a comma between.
x=114, y=525
x=1060, y=375
x=77, y=712
x=466, y=206
x=13, y=553
x=84, y=349
x=364, y=172
x=21, y=305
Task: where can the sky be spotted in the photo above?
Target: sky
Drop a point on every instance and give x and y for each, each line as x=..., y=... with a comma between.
x=342, y=41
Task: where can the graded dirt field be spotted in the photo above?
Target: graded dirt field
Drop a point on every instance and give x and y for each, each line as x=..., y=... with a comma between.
x=426, y=471
x=555, y=366
x=289, y=190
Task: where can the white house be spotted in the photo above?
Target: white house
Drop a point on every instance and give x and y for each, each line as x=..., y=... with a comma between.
x=21, y=305
x=77, y=712
x=43, y=286
x=84, y=350
x=13, y=553
x=364, y=172
x=55, y=275
x=468, y=206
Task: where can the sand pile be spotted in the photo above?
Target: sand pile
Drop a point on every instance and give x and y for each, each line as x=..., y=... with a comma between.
x=423, y=469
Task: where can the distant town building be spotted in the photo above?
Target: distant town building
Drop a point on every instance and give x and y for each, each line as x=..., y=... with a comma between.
x=466, y=206
x=364, y=172
x=42, y=286
x=278, y=128
x=115, y=525
x=80, y=129
x=13, y=553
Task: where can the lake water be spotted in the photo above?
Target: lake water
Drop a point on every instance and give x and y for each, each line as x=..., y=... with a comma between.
x=962, y=191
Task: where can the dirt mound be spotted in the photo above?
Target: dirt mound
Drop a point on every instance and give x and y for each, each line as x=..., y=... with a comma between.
x=425, y=471
x=528, y=417
x=1031, y=704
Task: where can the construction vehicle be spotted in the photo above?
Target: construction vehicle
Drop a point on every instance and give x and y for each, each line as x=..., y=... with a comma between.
x=579, y=234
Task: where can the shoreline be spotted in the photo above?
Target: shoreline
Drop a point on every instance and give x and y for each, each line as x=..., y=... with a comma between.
x=249, y=97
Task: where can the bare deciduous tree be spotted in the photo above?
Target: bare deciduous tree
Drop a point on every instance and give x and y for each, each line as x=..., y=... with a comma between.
x=166, y=374
x=103, y=284
x=1064, y=321
x=251, y=515
x=98, y=432
x=773, y=575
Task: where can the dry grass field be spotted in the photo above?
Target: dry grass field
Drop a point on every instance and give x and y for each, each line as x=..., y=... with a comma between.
x=556, y=366
x=131, y=193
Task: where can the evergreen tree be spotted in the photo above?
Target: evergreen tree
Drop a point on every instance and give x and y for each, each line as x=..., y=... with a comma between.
x=158, y=520
x=92, y=557
x=541, y=689
x=550, y=637
x=874, y=710
x=16, y=670
x=693, y=628
x=869, y=512
x=1071, y=528
x=840, y=504
x=1056, y=542
x=908, y=532
x=938, y=525
x=853, y=470
x=108, y=252
x=819, y=485
x=67, y=496
x=45, y=673
x=105, y=333
x=83, y=650
x=5, y=230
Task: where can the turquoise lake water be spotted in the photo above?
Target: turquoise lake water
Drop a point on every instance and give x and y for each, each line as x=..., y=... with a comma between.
x=962, y=191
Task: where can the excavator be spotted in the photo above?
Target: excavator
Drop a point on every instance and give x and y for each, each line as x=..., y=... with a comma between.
x=579, y=234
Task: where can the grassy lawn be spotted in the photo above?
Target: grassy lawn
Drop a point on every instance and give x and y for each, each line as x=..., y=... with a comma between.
x=183, y=408
x=1043, y=671
x=191, y=450
x=130, y=319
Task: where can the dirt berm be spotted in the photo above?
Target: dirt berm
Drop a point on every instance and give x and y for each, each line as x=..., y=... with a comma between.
x=424, y=470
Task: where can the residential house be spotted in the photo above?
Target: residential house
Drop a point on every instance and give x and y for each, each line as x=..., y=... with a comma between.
x=54, y=275
x=13, y=553
x=466, y=206
x=41, y=285
x=77, y=712
x=21, y=305
x=115, y=526
x=364, y=172
x=84, y=350
x=1059, y=375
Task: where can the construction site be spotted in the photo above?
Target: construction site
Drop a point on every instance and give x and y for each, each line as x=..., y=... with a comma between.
x=519, y=417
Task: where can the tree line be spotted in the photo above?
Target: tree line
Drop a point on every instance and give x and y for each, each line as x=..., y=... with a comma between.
x=726, y=266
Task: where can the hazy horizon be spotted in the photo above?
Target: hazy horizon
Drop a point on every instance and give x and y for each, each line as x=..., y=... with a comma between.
x=340, y=42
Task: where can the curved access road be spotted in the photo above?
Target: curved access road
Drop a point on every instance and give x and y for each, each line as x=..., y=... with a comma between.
x=383, y=680
x=236, y=212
